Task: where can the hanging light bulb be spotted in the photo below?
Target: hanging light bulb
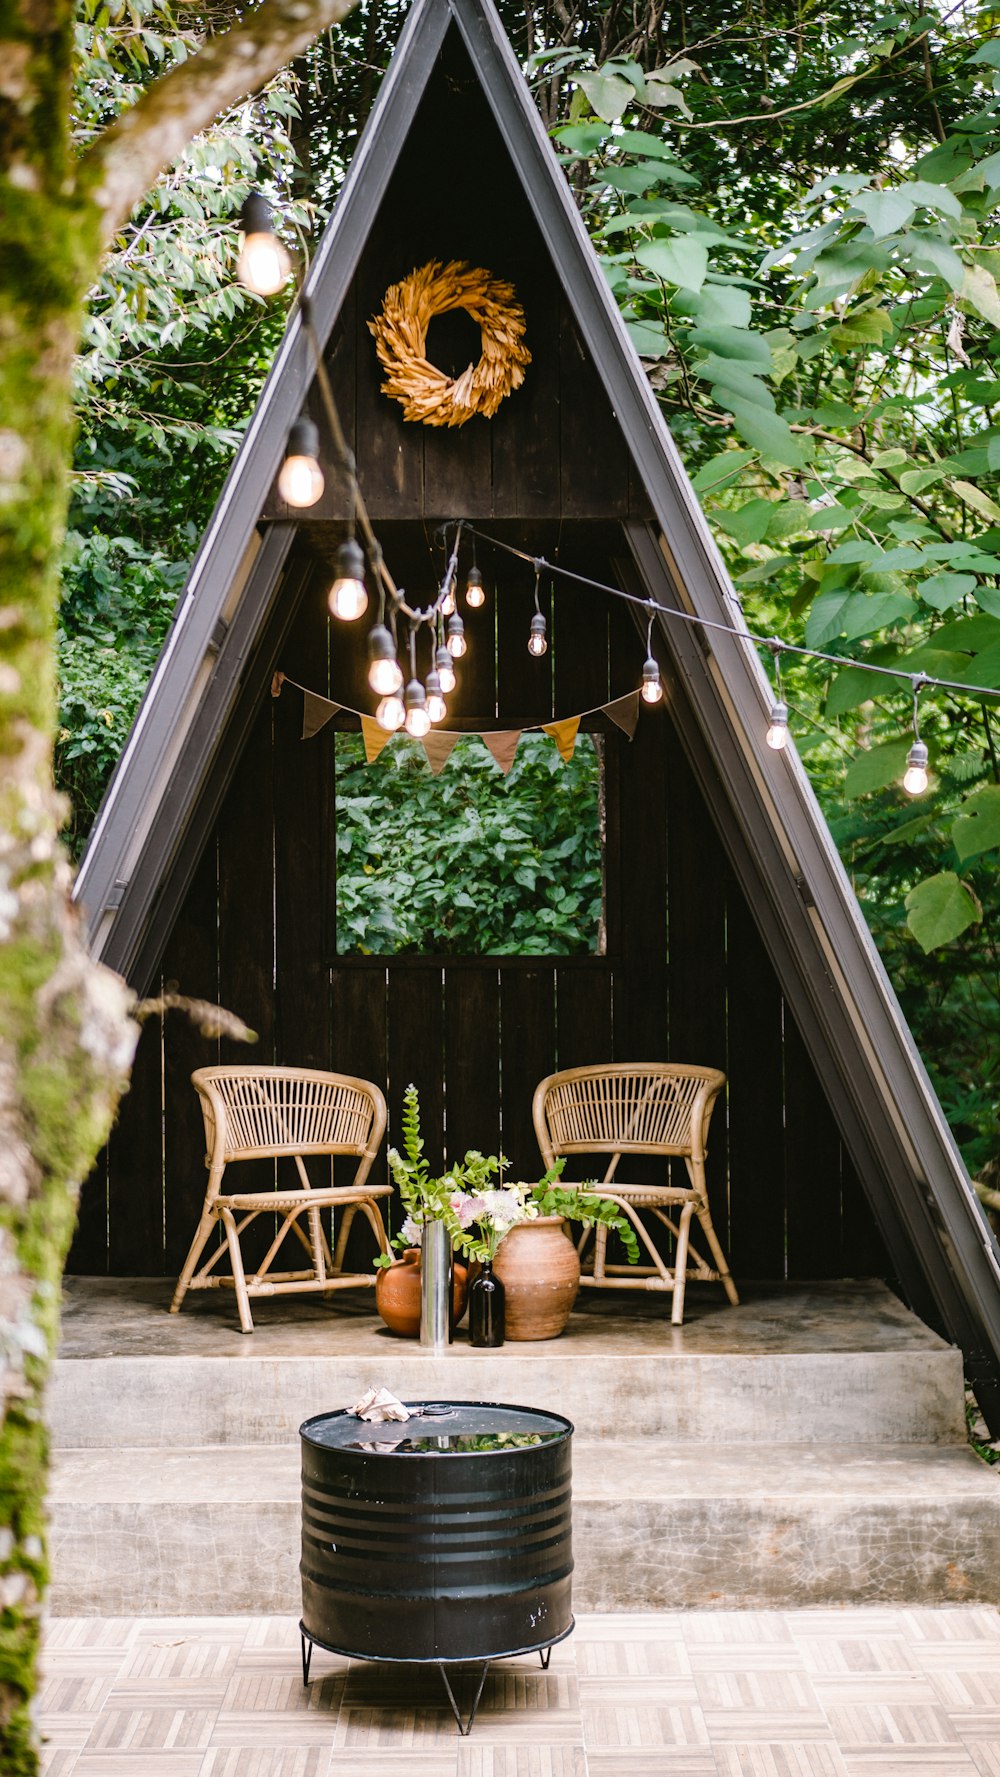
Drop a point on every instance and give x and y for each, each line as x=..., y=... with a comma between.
x=777, y=734
x=417, y=722
x=391, y=713
x=652, y=690
x=347, y=597
x=537, y=643
x=385, y=675
x=437, y=709
x=263, y=264
x=446, y=671
x=300, y=480
x=475, y=594
x=448, y=603
x=915, y=778
x=457, y=643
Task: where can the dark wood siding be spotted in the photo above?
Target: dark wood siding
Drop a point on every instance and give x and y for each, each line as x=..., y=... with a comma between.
x=685, y=974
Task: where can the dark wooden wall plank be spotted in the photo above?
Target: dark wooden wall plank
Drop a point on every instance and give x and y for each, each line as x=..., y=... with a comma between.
x=756, y=1100
x=416, y=1055
x=88, y=1253
x=593, y=456
x=584, y=1015
x=303, y=836
x=472, y=1060
x=191, y=962
x=524, y=433
x=813, y=1168
x=527, y=1046
x=136, y=1171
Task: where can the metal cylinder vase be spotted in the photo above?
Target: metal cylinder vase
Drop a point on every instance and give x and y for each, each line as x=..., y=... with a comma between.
x=447, y=1538
x=435, y=1286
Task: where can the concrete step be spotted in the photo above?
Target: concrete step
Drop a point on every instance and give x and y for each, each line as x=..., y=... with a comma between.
x=831, y=1363
x=215, y=1530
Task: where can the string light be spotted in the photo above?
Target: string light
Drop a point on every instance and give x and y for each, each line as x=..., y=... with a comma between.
x=652, y=687
x=300, y=481
x=915, y=777
x=475, y=594
x=446, y=670
x=777, y=733
x=391, y=713
x=263, y=264
x=449, y=602
x=537, y=643
x=347, y=597
x=456, y=643
x=385, y=675
x=437, y=709
x=417, y=721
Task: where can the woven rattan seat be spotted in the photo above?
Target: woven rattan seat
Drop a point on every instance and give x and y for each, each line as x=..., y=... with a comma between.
x=640, y=1108
x=254, y=1113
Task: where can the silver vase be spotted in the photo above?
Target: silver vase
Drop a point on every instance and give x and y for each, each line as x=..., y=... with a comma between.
x=435, y=1286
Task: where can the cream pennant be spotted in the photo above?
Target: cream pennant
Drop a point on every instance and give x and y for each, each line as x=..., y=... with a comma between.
x=374, y=738
x=502, y=744
x=564, y=734
x=624, y=711
x=439, y=748
x=316, y=713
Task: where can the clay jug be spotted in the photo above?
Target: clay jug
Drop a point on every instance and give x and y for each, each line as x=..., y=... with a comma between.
x=538, y=1266
x=397, y=1293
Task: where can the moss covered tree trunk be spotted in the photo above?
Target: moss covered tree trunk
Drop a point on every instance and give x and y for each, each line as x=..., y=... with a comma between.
x=66, y=1038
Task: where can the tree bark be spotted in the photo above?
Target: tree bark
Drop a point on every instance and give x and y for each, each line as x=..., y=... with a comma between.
x=66, y=1034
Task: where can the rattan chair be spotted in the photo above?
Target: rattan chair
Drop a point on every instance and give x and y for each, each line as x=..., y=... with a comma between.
x=639, y=1108
x=254, y=1113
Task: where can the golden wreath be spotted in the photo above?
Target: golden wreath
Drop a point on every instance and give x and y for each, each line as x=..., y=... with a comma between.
x=400, y=331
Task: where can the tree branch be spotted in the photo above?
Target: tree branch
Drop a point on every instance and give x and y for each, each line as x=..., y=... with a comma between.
x=126, y=158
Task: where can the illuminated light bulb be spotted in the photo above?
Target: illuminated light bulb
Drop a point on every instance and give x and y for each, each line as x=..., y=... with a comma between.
x=915, y=779
x=457, y=643
x=652, y=690
x=418, y=721
x=475, y=594
x=445, y=671
x=448, y=602
x=263, y=264
x=300, y=481
x=347, y=597
x=437, y=709
x=537, y=643
x=385, y=675
x=391, y=714
x=777, y=734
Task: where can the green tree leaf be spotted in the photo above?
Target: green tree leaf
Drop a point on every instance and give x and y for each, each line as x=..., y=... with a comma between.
x=769, y=433
x=940, y=909
x=681, y=261
x=977, y=828
x=876, y=767
x=609, y=94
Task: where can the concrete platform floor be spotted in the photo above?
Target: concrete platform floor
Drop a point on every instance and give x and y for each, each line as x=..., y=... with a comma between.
x=126, y=1317
x=875, y=1692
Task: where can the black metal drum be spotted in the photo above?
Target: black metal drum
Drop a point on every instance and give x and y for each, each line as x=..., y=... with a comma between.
x=444, y=1539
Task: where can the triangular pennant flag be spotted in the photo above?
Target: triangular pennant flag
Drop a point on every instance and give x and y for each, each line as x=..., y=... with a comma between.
x=503, y=745
x=316, y=712
x=374, y=737
x=564, y=734
x=624, y=711
x=439, y=748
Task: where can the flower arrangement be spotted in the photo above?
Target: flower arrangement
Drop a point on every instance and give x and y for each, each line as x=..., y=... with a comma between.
x=478, y=1212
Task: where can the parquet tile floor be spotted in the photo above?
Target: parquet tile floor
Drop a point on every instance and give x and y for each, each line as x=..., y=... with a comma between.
x=825, y=1693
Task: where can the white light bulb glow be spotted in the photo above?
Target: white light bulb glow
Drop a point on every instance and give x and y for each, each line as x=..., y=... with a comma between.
x=390, y=714
x=777, y=736
x=300, y=481
x=418, y=722
x=448, y=602
x=537, y=645
x=263, y=264
x=385, y=677
x=437, y=709
x=456, y=648
x=475, y=596
x=447, y=676
x=915, y=780
x=652, y=691
x=348, y=600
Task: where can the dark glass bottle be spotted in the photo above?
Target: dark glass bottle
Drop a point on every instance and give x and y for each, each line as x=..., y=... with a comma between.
x=486, y=1306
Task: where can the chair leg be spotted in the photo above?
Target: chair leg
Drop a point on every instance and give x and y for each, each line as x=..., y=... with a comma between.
x=239, y=1276
x=721, y=1264
x=600, y=1249
x=347, y=1217
x=374, y=1214
x=680, y=1266
x=197, y=1247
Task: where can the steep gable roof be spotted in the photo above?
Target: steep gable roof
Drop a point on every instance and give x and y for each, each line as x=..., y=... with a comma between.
x=227, y=631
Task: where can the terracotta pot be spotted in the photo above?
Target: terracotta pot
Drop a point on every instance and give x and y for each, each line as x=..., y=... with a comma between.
x=397, y=1293
x=540, y=1272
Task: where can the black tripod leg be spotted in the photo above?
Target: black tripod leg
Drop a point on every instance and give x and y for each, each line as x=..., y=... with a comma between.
x=456, y=1712
x=545, y=1655
x=307, y=1654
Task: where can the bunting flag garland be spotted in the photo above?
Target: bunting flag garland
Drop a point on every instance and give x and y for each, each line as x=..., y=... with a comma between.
x=502, y=743
x=374, y=737
x=441, y=742
x=564, y=734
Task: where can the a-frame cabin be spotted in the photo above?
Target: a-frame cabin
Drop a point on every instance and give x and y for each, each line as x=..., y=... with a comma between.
x=734, y=935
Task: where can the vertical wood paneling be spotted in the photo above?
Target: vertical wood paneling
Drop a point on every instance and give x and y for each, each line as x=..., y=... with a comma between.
x=756, y=1099
x=527, y=1050
x=416, y=1053
x=88, y=1253
x=191, y=960
x=136, y=1170
x=813, y=1168
x=524, y=683
x=472, y=1060
x=584, y=1016
x=302, y=838
x=525, y=441
x=358, y=1046
x=593, y=457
